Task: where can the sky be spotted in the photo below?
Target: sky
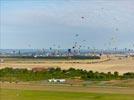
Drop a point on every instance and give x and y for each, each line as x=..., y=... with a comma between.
x=102, y=24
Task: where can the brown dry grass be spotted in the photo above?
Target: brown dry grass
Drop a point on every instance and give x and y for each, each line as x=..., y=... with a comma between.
x=67, y=88
x=115, y=64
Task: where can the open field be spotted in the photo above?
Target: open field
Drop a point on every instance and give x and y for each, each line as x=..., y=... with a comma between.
x=103, y=90
x=25, y=91
x=68, y=88
x=122, y=65
x=9, y=94
x=111, y=83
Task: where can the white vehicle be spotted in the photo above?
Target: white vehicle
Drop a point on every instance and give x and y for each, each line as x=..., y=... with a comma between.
x=56, y=80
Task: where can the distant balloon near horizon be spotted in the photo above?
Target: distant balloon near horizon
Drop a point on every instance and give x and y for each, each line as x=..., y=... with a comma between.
x=82, y=17
x=76, y=35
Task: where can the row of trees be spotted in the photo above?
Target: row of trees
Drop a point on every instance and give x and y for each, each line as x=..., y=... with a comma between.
x=10, y=74
x=55, y=57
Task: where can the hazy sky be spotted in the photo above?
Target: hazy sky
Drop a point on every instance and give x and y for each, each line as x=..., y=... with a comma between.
x=53, y=23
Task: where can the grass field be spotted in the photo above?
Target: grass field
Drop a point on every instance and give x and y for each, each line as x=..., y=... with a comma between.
x=110, y=90
x=8, y=94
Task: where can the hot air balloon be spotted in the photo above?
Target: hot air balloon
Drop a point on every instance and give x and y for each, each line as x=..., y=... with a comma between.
x=82, y=17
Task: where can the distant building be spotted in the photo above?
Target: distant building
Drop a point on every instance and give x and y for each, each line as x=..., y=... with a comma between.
x=1, y=60
x=39, y=69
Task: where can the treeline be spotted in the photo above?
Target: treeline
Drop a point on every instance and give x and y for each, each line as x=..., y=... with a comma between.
x=10, y=74
x=55, y=57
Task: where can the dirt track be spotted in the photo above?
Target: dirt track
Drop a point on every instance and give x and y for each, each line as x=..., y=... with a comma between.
x=118, y=90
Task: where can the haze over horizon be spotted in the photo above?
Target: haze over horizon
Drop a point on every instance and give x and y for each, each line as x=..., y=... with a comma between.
x=28, y=24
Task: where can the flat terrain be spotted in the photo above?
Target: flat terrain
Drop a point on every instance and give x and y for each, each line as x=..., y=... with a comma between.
x=122, y=64
x=10, y=94
x=67, y=88
x=24, y=91
x=104, y=90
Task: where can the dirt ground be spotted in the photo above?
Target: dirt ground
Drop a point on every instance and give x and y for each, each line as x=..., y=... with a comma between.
x=24, y=86
x=122, y=64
